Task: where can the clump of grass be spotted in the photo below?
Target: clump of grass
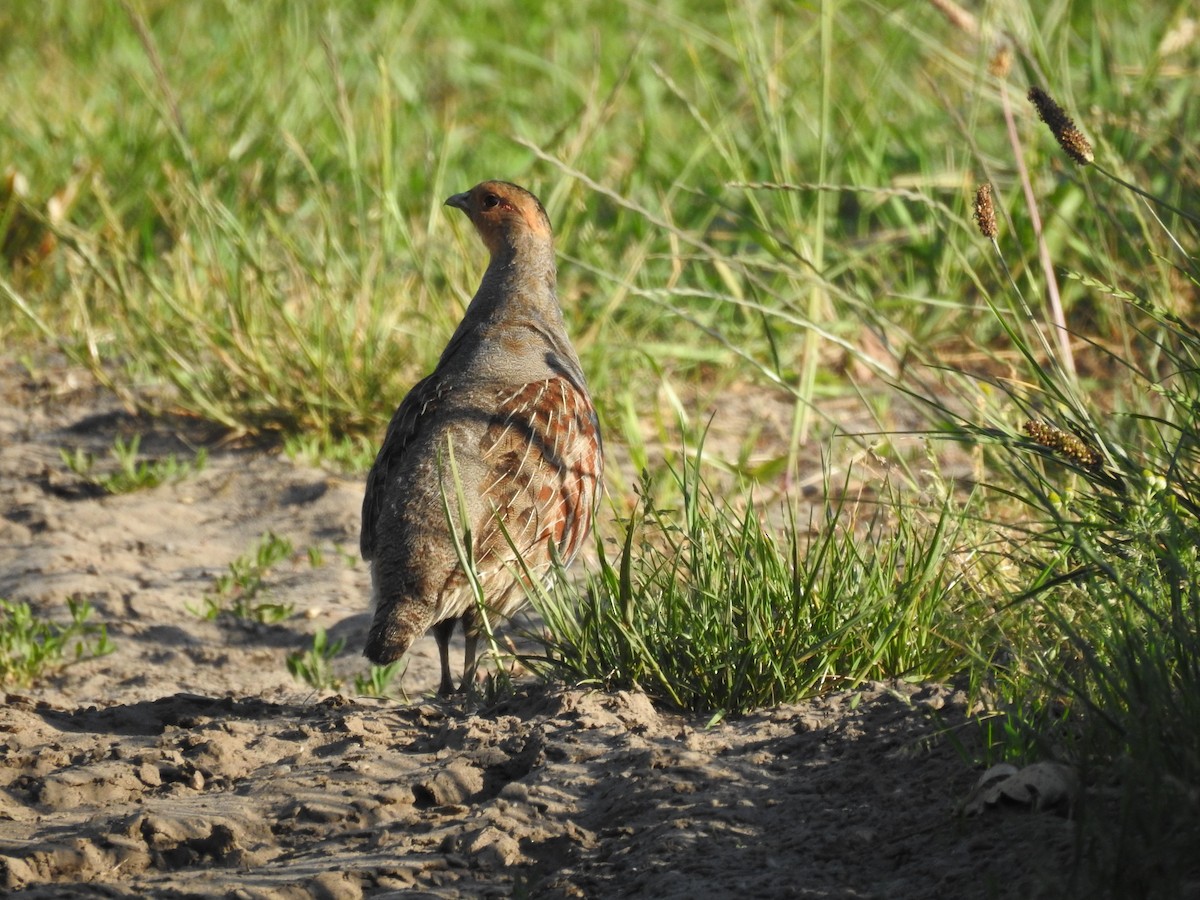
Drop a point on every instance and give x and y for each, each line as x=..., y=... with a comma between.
x=32, y=647
x=378, y=680
x=236, y=593
x=1111, y=680
x=131, y=473
x=314, y=665
x=711, y=608
x=350, y=454
x=1106, y=561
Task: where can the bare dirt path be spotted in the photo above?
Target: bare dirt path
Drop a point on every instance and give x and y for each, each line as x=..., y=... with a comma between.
x=188, y=763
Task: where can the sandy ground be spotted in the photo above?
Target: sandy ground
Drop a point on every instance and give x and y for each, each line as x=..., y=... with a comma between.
x=188, y=763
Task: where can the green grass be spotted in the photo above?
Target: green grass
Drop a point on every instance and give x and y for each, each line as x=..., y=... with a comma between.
x=131, y=473
x=713, y=607
x=313, y=666
x=237, y=593
x=380, y=681
x=1107, y=565
x=31, y=648
x=743, y=194
x=265, y=233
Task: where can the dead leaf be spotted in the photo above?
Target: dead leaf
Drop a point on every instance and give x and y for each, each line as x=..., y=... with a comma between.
x=1043, y=786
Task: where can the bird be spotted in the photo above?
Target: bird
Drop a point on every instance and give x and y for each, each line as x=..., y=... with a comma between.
x=500, y=444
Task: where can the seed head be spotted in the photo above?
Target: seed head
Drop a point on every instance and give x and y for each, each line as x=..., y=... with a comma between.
x=1001, y=62
x=985, y=213
x=1068, y=445
x=1070, y=138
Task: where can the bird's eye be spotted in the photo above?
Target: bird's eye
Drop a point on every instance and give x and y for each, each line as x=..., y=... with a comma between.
x=491, y=201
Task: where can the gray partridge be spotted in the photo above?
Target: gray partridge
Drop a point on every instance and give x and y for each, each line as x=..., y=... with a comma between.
x=503, y=431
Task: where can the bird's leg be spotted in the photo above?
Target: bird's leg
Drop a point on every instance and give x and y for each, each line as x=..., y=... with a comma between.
x=442, y=631
x=471, y=635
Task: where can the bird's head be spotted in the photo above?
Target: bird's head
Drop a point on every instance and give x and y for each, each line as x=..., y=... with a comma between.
x=504, y=214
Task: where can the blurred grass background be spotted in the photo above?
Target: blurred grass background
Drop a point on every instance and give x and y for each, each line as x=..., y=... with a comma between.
x=255, y=189
x=234, y=210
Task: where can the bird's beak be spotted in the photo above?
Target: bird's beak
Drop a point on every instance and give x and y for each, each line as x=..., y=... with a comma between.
x=459, y=201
